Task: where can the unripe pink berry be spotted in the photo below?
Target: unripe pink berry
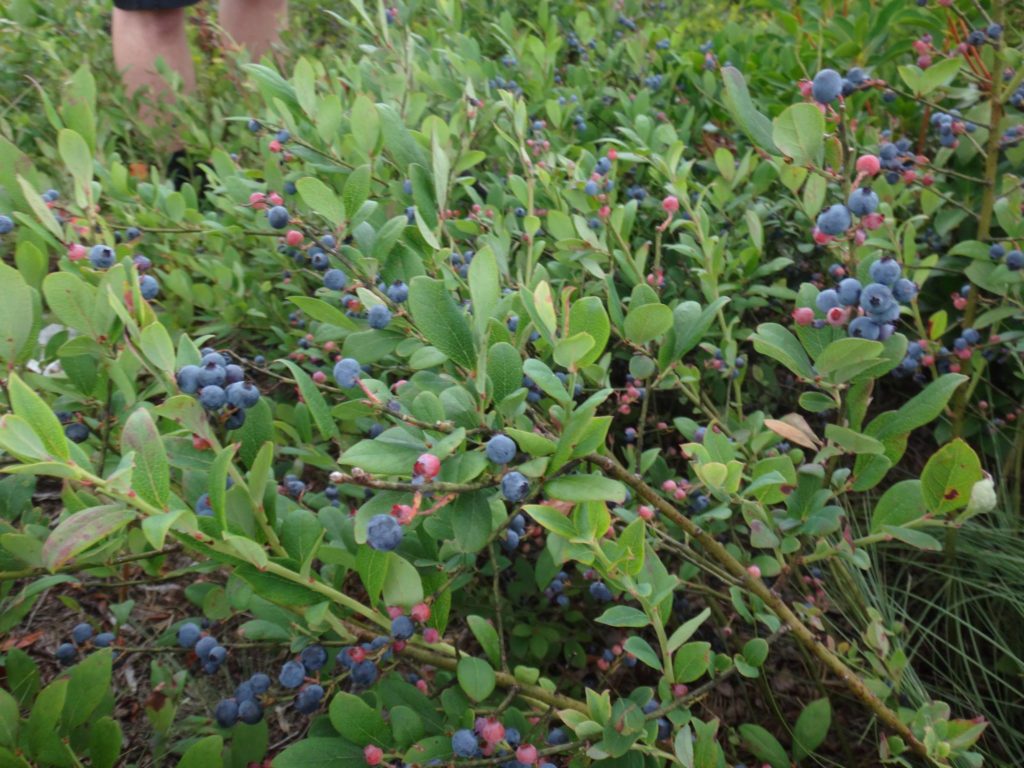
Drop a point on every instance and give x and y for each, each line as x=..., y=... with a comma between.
x=422, y=685
x=293, y=238
x=803, y=315
x=319, y=377
x=526, y=753
x=821, y=238
x=420, y=612
x=275, y=199
x=670, y=204
x=373, y=754
x=427, y=466
x=258, y=200
x=431, y=635
x=394, y=611
x=645, y=512
x=492, y=731
x=837, y=316
x=275, y=146
x=612, y=154
x=868, y=164
x=76, y=252
x=754, y=571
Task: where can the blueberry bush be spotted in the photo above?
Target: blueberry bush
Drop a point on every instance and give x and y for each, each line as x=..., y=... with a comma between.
x=514, y=384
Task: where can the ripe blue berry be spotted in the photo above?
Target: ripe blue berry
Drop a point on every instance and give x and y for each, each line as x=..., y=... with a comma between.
x=827, y=299
x=346, y=372
x=188, y=635
x=971, y=336
x=233, y=373
x=378, y=316
x=203, y=506
x=996, y=251
x=292, y=674
x=260, y=683
x=250, y=712
x=402, y=628
x=205, y=646
x=501, y=449
x=6, y=225
x=1015, y=260
x=212, y=397
x=464, y=743
x=364, y=673
x=278, y=217
x=76, y=432
x=104, y=639
x=876, y=299
x=515, y=486
x=383, y=533
x=591, y=188
x=226, y=713
x=308, y=700
x=848, y=291
x=827, y=86
x=149, y=287
x=242, y=394
x=81, y=633
x=600, y=592
x=885, y=271
x=862, y=201
x=865, y=328
x=904, y=290
x=102, y=257
x=835, y=220
x=212, y=374
x=313, y=657
x=66, y=653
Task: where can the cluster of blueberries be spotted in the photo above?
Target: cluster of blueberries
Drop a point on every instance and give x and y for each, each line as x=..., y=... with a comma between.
x=490, y=737
x=950, y=125
x=514, y=534
x=896, y=158
x=879, y=300
x=501, y=84
x=378, y=316
x=81, y=634
x=210, y=653
x=461, y=261
x=219, y=384
x=1014, y=258
x=837, y=219
x=920, y=353
x=828, y=85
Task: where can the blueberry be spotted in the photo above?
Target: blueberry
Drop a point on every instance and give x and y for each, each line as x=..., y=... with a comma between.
x=876, y=299
x=885, y=271
x=464, y=743
x=313, y=657
x=600, y=592
x=364, y=673
x=308, y=700
x=102, y=257
x=835, y=220
x=346, y=372
x=515, y=487
x=292, y=674
x=971, y=336
x=1015, y=260
x=76, y=432
x=81, y=633
x=996, y=251
x=212, y=397
x=865, y=328
x=402, y=628
x=664, y=728
x=226, y=713
x=511, y=540
x=188, y=379
x=212, y=374
x=217, y=654
x=827, y=86
x=335, y=279
x=501, y=449
x=250, y=712
x=104, y=639
x=319, y=261
x=278, y=217
x=848, y=291
x=862, y=201
x=557, y=736
x=904, y=290
x=383, y=533
x=242, y=394
x=203, y=506
x=149, y=287
x=188, y=635
x=512, y=737
x=66, y=653
x=283, y=136
x=591, y=188
x=378, y=316
x=6, y=225
x=204, y=646
x=827, y=299
x=254, y=125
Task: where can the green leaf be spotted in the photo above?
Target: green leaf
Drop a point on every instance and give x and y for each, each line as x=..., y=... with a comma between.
x=690, y=324
x=105, y=738
x=647, y=322
x=75, y=303
x=471, y=519
x=623, y=616
x=691, y=661
x=39, y=208
x=357, y=721
x=900, y=504
x=322, y=199
x=403, y=585
x=158, y=347
x=484, y=288
x=43, y=737
x=779, y=343
x=324, y=312
x=755, y=651
x=313, y=398
x=545, y=378
x=504, y=370
x=569, y=351
x=90, y=681
x=151, y=478
x=551, y=519
x=949, y=476
x=852, y=441
x=257, y=430
x=763, y=745
x=18, y=316
x=205, y=753
x=643, y=651
x=437, y=317
x=685, y=631
x=586, y=488
x=78, y=158
x=476, y=678
x=393, y=452
x=357, y=189
x=737, y=99
x=800, y=133
x=29, y=406
x=588, y=315
x=841, y=352
x=917, y=539
x=919, y=410
x=365, y=123
x=811, y=728
x=81, y=530
x=9, y=723
x=487, y=636
x=320, y=752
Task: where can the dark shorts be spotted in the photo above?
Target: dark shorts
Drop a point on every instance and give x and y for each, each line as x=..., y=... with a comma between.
x=152, y=5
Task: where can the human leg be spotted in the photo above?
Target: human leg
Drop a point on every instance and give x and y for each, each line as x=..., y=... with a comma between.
x=253, y=24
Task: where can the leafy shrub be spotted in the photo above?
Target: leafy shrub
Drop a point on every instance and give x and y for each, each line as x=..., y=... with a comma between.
x=505, y=393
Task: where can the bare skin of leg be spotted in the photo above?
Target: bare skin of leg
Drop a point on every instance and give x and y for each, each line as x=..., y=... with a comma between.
x=253, y=24
x=142, y=37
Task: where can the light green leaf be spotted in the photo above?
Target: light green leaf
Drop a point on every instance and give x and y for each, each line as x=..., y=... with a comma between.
x=476, y=678
x=439, y=319
x=799, y=132
x=623, y=616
